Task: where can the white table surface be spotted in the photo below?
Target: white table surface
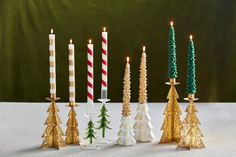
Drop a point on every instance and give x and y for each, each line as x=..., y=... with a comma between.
x=21, y=127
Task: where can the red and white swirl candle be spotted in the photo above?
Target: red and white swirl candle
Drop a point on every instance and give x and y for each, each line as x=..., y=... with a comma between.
x=90, y=78
x=104, y=64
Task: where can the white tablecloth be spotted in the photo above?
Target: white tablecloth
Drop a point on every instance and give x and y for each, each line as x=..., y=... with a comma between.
x=21, y=127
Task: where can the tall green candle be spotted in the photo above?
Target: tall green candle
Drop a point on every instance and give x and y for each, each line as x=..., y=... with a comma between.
x=191, y=82
x=172, y=66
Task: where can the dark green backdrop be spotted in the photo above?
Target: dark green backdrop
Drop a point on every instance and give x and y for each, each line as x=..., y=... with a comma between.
x=25, y=24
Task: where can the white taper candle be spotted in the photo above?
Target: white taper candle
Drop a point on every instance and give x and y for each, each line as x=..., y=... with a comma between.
x=71, y=58
x=52, y=65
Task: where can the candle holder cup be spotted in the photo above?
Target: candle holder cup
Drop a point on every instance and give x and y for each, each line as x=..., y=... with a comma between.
x=90, y=110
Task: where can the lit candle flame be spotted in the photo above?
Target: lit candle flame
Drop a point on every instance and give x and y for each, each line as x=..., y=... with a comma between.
x=90, y=41
x=171, y=23
x=190, y=37
x=70, y=41
x=104, y=29
x=51, y=31
x=144, y=48
x=127, y=59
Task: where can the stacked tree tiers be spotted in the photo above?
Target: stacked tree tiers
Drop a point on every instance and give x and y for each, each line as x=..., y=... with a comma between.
x=185, y=133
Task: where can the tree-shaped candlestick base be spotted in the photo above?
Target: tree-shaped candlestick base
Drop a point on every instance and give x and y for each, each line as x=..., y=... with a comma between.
x=172, y=124
x=143, y=127
x=191, y=136
x=53, y=132
x=72, y=132
x=90, y=135
x=103, y=123
x=126, y=132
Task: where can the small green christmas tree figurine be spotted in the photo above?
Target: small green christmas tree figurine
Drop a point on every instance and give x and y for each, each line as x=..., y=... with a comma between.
x=103, y=121
x=90, y=132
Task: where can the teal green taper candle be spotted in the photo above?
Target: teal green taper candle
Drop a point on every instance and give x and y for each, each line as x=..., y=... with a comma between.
x=191, y=82
x=172, y=66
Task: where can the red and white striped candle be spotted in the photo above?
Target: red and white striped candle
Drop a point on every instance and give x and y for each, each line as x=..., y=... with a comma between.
x=71, y=57
x=104, y=64
x=52, y=65
x=90, y=73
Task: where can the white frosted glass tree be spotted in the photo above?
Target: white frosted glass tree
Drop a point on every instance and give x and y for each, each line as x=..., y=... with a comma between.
x=126, y=133
x=143, y=127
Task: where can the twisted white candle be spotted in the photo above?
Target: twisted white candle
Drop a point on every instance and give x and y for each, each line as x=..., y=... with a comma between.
x=90, y=96
x=104, y=64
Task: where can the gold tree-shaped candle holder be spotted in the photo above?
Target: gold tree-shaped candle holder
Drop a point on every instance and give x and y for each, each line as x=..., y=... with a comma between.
x=191, y=136
x=172, y=124
x=72, y=132
x=53, y=132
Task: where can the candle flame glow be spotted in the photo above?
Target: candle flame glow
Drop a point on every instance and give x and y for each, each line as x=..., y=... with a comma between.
x=51, y=31
x=190, y=37
x=171, y=23
x=70, y=41
x=127, y=59
x=104, y=29
x=144, y=48
x=90, y=41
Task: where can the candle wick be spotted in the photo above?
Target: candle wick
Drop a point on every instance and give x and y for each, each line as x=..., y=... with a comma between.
x=127, y=59
x=190, y=37
x=144, y=48
x=104, y=29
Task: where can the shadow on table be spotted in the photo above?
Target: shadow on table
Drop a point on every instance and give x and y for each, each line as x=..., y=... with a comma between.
x=38, y=151
x=113, y=146
x=67, y=151
x=137, y=150
x=141, y=149
x=33, y=149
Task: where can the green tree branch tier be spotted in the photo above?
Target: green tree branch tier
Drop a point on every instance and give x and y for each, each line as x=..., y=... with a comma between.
x=90, y=132
x=103, y=122
x=172, y=66
x=191, y=82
